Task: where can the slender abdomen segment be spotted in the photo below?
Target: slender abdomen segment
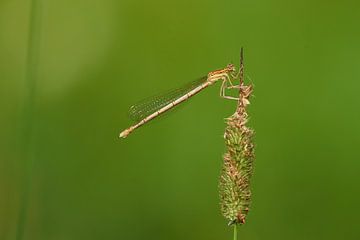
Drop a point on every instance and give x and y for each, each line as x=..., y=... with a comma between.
x=181, y=99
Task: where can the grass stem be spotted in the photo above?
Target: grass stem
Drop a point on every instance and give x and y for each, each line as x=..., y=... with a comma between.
x=235, y=231
x=27, y=118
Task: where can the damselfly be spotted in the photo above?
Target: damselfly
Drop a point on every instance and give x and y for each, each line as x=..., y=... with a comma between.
x=152, y=107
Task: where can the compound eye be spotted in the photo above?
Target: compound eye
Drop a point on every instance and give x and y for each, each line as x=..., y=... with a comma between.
x=231, y=67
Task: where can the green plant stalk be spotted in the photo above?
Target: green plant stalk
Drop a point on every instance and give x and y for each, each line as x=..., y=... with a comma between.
x=27, y=123
x=235, y=231
x=235, y=193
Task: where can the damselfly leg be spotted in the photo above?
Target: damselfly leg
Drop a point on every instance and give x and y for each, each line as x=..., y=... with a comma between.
x=223, y=90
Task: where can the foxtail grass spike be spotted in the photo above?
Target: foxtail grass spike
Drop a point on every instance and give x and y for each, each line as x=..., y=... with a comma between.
x=235, y=193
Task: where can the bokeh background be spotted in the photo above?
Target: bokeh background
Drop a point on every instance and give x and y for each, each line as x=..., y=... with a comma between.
x=95, y=58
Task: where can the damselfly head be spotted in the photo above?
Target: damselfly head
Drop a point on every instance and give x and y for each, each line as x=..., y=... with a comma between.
x=230, y=67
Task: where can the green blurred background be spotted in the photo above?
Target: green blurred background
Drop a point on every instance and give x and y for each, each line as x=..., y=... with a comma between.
x=96, y=58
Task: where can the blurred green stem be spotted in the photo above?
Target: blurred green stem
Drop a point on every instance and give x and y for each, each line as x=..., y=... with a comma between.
x=27, y=119
x=235, y=231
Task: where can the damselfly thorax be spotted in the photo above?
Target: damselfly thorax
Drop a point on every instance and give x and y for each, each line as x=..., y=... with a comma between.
x=150, y=108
